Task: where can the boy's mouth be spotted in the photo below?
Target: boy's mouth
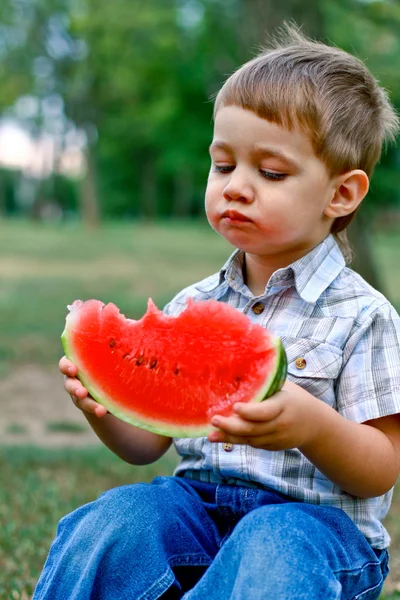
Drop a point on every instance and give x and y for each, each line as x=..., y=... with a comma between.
x=233, y=215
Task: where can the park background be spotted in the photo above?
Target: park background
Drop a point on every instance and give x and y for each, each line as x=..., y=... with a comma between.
x=105, y=121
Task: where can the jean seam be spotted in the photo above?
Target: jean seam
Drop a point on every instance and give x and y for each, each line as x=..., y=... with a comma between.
x=371, y=589
x=227, y=535
x=359, y=570
x=158, y=586
x=179, y=560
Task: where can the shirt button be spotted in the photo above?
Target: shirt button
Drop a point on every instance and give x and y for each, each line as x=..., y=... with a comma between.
x=300, y=362
x=258, y=308
x=227, y=447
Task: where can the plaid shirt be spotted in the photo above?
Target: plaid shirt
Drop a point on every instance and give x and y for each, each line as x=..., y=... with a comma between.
x=349, y=337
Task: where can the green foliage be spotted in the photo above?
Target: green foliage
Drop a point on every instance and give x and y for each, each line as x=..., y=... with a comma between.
x=137, y=77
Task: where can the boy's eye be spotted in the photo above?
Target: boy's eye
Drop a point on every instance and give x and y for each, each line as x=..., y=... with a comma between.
x=224, y=168
x=267, y=174
x=272, y=175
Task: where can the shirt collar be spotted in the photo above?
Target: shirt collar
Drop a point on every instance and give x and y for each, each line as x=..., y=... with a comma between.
x=315, y=271
x=311, y=274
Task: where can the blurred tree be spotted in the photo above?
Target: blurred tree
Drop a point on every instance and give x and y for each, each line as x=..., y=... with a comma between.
x=137, y=79
x=15, y=75
x=32, y=40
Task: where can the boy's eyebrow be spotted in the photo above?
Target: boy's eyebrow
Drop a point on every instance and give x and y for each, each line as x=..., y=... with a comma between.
x=274, y=152
x=259, y=149
x=219, y=145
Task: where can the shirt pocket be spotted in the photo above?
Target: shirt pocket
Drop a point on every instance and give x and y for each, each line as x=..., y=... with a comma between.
x=313, y=365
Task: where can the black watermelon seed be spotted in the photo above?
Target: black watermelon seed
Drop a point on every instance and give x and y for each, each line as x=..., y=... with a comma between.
x=139, y=361
x=112, y=342
x=153, y=363
x=176, y=371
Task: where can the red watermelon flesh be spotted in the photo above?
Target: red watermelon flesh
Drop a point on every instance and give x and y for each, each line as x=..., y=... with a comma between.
x=170, y=374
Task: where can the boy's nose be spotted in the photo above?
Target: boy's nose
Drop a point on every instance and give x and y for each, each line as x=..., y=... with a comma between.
x=240, y=192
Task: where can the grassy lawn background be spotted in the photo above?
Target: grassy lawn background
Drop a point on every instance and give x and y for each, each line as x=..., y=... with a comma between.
x=44, y=268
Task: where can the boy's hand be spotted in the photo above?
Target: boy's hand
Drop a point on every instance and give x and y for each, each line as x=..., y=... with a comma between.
x=289, y=419
x=78, y=393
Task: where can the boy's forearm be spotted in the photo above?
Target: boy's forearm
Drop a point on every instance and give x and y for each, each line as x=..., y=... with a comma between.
x=135, y=446
x=358, y=458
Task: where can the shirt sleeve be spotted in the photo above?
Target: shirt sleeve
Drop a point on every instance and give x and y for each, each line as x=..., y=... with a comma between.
x=179, y=302
x=176, y=305
x=369, y=383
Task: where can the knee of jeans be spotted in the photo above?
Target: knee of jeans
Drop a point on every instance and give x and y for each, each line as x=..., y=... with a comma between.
x=272, y=524
x=131, y=506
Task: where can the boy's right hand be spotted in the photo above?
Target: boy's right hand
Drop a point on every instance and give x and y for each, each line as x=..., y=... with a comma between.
x=79, y=394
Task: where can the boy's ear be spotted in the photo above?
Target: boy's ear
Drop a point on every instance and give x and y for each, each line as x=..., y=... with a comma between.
x=350, y=190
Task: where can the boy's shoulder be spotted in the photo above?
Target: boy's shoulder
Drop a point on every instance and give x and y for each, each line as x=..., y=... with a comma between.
x=352, y=295
x=325, y=286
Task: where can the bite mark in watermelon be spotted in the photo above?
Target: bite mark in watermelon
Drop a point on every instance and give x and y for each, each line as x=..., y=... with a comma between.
x=168, y=374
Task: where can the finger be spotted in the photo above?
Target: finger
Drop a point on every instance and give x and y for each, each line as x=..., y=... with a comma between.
x=74, y=387
x=235, y=425
x=222, y=437
x=67, y=367
x=90, y=406
x=268, y=410
x=266, y=442
x=219, y=435
x=239, y=427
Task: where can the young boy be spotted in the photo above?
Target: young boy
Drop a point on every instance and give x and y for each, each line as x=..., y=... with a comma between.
x=284, y=500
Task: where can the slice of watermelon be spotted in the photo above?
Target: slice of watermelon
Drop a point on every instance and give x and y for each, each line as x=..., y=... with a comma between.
x=168, y=374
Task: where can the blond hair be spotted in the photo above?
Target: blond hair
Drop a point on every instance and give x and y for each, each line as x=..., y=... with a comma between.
x=328, y=93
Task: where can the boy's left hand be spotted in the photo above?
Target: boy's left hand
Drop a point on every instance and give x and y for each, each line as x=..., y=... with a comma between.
x=289, y=419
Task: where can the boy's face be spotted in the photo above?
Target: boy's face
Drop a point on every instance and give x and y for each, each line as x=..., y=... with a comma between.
x=267, y=190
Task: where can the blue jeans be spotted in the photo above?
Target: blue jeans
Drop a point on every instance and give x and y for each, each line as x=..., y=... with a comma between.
x=178, y=538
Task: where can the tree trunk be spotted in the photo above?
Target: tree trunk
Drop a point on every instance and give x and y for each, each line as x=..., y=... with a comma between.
x=3, y=203
x=39, y=201
x=148, y=192
x=183, y=193
x=89, y=203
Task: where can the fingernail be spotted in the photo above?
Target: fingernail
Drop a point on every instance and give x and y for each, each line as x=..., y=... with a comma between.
x=215, y=421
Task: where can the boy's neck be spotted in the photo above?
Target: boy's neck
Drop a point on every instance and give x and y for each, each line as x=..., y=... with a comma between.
x=257, y=270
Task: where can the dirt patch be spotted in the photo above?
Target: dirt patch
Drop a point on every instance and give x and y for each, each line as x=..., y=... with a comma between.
x=35, y=409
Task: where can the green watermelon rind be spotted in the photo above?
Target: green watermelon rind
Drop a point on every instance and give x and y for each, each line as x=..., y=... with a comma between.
x=273, y=384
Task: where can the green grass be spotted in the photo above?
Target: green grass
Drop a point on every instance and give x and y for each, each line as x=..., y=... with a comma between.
x=43, y=269
x=16, y=429
x=65, y=427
